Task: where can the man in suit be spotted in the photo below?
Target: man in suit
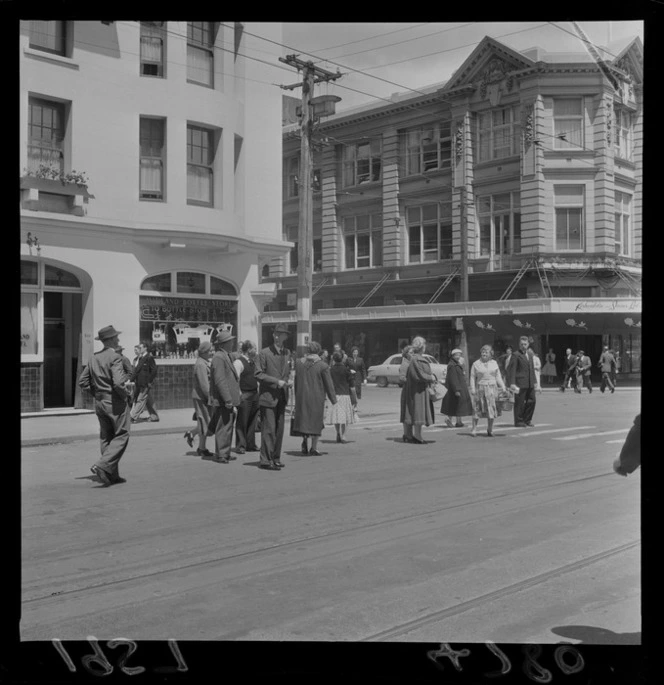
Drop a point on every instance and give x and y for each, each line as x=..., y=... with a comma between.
x=607, y=365
x=224, y=396
x=143, y=376
x=523, y=382
x=248, y=411
x=273, y=374
x=583, y=366
x=569, y=370
x=356, y=364
x=106, y=379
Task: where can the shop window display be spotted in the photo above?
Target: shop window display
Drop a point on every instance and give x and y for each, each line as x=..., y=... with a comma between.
x=175, y=327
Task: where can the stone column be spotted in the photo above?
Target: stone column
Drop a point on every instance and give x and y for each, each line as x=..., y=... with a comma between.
x=603, y=142
x=534, y=202
x=332, y=243
x=393, y=228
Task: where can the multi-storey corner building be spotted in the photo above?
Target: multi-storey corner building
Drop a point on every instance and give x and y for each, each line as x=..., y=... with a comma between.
x=149, y=153
x=540, y=155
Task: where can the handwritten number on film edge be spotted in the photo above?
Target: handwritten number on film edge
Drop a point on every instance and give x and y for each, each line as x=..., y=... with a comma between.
x=106, y=667
x=531, y=667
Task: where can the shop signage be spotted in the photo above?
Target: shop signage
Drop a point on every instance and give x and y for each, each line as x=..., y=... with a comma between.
x=185, y=309
x=606, y=305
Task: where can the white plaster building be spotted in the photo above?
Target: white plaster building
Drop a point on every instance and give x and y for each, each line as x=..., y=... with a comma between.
x=180, y=139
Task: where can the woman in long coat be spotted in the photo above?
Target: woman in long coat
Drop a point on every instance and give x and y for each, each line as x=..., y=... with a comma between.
x=403, y=371
x=457, y=401
x=200, y=396
x=312, y=384
x=416, y=408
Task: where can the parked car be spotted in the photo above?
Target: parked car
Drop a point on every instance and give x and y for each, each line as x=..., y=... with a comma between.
x=388, y=372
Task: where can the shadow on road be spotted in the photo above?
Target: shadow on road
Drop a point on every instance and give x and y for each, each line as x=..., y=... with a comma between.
x=592, y=635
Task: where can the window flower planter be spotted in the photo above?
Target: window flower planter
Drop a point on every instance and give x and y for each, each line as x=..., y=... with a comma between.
x=55, y=186
x=54, y=195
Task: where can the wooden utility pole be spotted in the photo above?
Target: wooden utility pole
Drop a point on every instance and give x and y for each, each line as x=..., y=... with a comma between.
x=310, y=75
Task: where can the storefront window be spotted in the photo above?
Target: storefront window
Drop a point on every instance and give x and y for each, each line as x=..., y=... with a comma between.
x=29, y=323
x=175, y=326
x=219, y=287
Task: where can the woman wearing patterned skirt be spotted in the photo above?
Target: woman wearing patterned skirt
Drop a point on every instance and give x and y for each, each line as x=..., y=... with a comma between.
x=340, y=414
x=485, y=380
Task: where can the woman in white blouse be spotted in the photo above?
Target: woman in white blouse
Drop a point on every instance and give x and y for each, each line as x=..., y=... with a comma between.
x=485, y=380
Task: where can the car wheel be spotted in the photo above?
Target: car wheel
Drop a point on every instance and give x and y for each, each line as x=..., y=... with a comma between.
x=381, y=382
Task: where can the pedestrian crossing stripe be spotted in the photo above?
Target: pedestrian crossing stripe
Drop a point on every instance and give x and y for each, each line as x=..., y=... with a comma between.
x=553, y=430
x=591, y=435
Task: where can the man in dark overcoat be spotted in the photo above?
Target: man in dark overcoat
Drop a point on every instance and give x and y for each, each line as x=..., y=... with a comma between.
x=225, y=396
x=523, y=382
x=105, y=378
x=273, y=374
x=143, y=376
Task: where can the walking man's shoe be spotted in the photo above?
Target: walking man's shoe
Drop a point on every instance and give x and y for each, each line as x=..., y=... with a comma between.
x=101, y=474
x=154, y=419
x=279, y=464
x=269, y=467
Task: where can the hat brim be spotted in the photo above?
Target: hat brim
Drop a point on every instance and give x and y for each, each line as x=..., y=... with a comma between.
x=107, y=337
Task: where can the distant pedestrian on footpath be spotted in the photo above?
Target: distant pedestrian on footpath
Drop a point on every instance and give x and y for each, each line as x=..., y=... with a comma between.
x=549, y=369
x=569, y=370
x=356, y=364
x=607, y=365
x=523, y=382
x=105, y=378
x=200, y=396
x=583, y=368
x=341, y=413
x=457, y=401
x=143, y=376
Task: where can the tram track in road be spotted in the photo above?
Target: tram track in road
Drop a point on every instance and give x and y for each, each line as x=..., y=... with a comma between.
x=335, y=535
x=539, y=579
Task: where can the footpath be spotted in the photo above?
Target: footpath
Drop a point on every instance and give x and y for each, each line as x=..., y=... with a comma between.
x=63, y=426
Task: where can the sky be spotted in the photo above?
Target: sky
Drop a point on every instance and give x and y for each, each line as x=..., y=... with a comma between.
x=401, y=53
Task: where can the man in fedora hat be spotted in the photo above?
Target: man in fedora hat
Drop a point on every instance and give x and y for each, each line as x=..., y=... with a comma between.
x=224, y=395
x=273, y=374
x=106, y=379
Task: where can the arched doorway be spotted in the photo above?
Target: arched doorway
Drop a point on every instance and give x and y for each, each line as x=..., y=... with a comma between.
x=52, y=306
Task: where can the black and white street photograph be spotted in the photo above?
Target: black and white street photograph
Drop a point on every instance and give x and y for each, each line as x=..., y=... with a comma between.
x=331, y=332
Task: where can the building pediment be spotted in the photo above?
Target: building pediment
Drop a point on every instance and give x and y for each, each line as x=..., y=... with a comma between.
x=630, y=61
x=490, y=67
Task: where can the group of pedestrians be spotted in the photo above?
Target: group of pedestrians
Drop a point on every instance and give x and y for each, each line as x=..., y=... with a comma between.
x=578, y=368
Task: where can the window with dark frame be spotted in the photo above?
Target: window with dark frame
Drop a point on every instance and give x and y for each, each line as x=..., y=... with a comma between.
x=623, y=220
x=46, y=134
x=152, y=158
x=200, y=52
x=200, y=161
x=499, y=224
x=153, y=35
x=623, y=133
x=49, y=36
x=428, y=148
x=498, y=133
x=568, y=123
x=429, y=232
x=362, y=162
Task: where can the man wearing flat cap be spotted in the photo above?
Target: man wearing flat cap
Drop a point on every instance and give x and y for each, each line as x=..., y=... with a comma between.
x=273, y=374
x=106, y=378
x=224, y=396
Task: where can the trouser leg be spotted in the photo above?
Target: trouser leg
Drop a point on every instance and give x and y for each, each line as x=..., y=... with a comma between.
x=223, y=434
x=268, y=434
x=280, y=417
x=149, y=405
x=358, y=390
x=241, y=423
x=519, y=405
x=529, y=405
x=139, y=403
x=117, y=421
x=252, y=420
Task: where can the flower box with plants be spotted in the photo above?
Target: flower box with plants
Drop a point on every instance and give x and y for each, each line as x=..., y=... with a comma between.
x=53, y=180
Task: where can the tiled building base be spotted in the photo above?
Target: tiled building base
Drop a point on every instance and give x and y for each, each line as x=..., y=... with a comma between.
x=31, y=382
x=171, y=389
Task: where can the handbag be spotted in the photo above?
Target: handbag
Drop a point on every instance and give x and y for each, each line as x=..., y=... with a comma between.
x=293, y=432
x=437, y=391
